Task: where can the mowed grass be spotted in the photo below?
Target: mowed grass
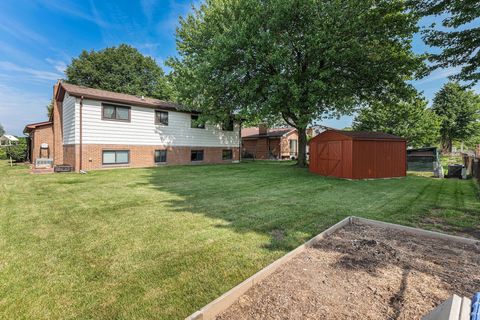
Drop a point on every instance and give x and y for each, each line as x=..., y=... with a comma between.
x=160, y=243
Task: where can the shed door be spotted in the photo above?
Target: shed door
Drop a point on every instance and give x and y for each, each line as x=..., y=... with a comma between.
x=329, y=158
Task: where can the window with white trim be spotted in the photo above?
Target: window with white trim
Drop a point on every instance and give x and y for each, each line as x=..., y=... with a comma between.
x=115, y=157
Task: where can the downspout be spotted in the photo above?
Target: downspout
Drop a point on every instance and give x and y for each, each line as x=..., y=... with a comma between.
x=81, y=134
x=240, y=141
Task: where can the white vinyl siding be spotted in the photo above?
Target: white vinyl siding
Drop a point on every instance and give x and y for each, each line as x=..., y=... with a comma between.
x=142, y=130
x=71, y=121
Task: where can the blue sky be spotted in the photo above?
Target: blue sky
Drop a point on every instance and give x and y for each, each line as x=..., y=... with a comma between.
x=38, y=38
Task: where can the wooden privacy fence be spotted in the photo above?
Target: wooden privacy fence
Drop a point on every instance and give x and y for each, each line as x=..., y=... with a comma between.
x=472, y=165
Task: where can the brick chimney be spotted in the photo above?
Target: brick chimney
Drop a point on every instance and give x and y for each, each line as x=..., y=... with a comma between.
x=262, y=129
x=57, y=118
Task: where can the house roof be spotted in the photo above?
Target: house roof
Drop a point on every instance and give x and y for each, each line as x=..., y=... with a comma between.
x=9, y=137
x=110, y=96
x=252, y=132
x=365, y=135
x=32, y=126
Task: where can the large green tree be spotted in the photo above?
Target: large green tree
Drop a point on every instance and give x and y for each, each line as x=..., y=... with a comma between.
x=2, y=131
x=410, y=119
x=459, y=110
x=459, y=37
x=120, y=69
x=296, y=60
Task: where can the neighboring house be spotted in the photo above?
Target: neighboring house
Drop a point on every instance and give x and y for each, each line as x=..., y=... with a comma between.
x=315, y=130
x=40, y=143
x=96, y=129
x=269, y=143
x=8, y=140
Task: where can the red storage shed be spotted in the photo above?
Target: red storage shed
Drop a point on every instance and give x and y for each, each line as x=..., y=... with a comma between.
x=358, y=155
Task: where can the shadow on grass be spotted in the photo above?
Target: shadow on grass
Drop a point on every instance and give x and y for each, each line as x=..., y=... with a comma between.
x=289, y=204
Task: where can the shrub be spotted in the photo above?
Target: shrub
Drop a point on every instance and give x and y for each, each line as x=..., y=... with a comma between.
x=18, y=152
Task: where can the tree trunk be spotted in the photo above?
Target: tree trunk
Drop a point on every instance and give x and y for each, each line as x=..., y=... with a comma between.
x=447, y=146
x=302, y=147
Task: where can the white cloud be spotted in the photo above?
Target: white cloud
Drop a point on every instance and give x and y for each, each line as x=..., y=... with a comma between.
x=59, y=65
x=148, y=7
x=19, y=107
x=74, y=11
x=440, y=74
x=20, y=31
x=176, y=11
x=33, y=73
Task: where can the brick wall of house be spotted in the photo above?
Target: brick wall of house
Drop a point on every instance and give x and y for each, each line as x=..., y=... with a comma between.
x=285, y=144
x=274, y=148
x=42, y=134
x=248, y=148
x=261, y=148
x=141, y=156
x=57, y=130
x=69, y=155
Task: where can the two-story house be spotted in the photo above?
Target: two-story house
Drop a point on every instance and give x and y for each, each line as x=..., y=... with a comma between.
x=96, y=129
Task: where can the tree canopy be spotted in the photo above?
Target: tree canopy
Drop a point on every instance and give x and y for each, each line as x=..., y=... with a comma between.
x=120, y=69
x=50, y=109
x=2, y=131
x=458, y=39
x=296, y=60
x=459, y=110
x=410, y=119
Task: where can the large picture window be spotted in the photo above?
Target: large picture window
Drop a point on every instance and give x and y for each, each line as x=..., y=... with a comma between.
x=116, y=157
x=196, y=155
x=113, y=112
x=161, y=117
x=160, y=156
x=196, y=123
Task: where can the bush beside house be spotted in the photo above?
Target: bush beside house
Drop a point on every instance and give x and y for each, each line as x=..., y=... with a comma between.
x=17, y=152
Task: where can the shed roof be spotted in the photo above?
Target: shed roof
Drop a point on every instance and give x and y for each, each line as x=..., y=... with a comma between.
x=366, y=135
x=110, y=96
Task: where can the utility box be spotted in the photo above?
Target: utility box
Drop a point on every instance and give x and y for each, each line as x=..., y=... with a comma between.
x=63, y=168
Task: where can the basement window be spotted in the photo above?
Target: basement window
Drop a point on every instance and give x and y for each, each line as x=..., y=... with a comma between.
x=116, y=157
x=227, y=154
x=160, y=156
x=196, y=155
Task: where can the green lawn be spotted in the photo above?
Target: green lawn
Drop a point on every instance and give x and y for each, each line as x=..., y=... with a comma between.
x=160, y=243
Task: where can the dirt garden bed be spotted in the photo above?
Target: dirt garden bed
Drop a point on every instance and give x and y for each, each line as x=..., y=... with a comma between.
x=364, y=272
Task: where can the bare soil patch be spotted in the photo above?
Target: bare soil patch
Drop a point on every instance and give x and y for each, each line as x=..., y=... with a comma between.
x=364, y=272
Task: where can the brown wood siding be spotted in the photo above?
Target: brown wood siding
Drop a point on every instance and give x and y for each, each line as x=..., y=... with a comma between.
x=336, y=155
x=379, y=159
